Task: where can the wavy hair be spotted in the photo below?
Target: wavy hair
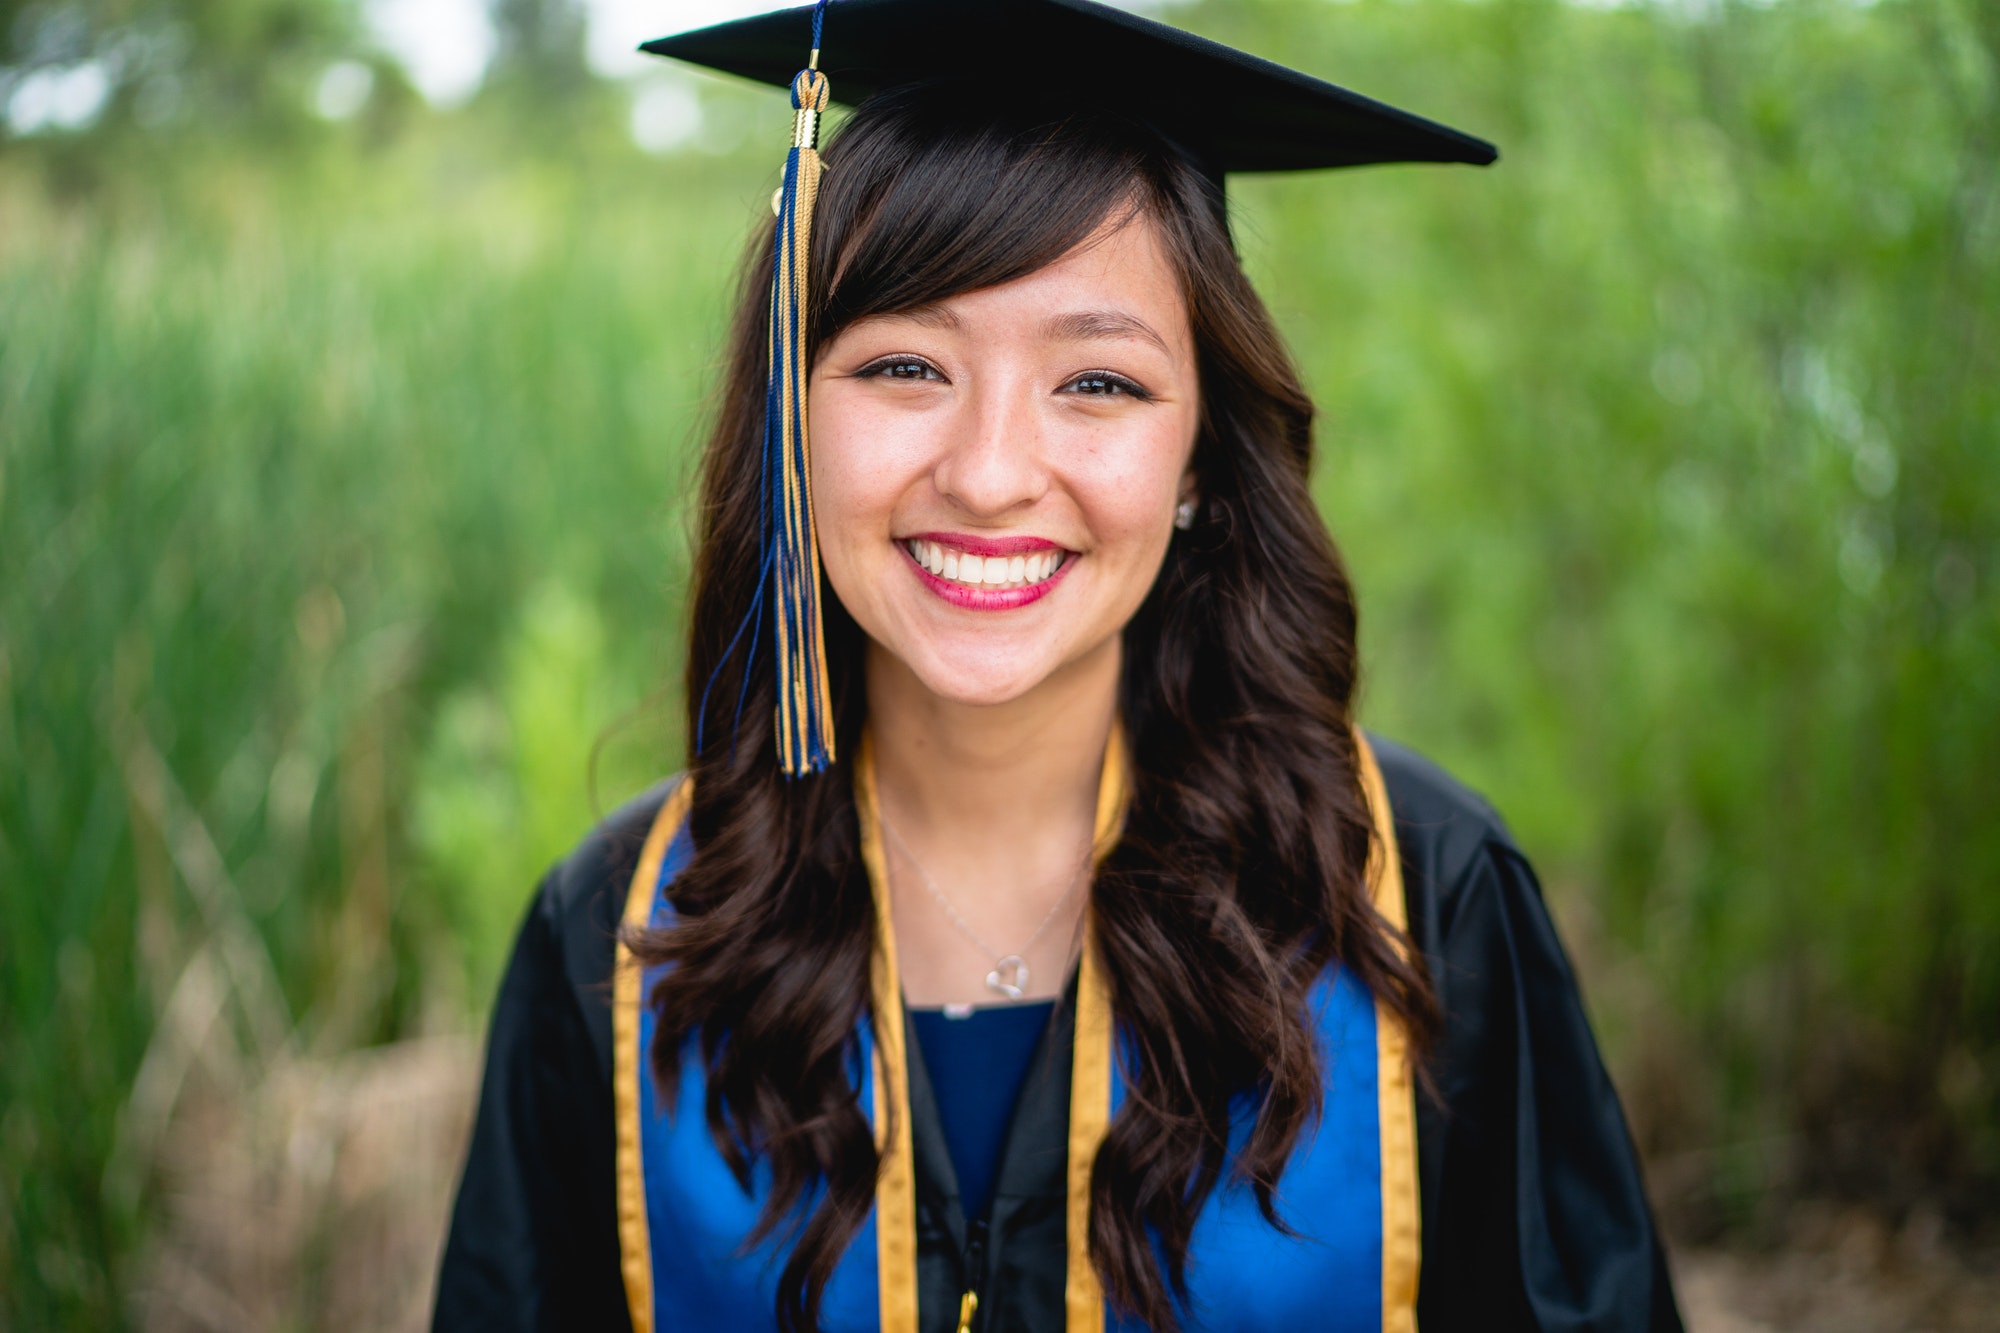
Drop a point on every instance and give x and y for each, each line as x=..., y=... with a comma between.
x=1240, y=875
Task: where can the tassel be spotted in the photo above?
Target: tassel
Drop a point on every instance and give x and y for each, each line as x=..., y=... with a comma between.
x=805, y=724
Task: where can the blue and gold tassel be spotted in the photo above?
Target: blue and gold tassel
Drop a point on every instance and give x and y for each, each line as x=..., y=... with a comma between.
x=805, y=721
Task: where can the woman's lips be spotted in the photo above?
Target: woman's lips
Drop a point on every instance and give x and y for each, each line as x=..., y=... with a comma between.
x=992, y=574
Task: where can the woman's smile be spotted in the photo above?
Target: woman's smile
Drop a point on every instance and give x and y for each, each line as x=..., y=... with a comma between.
x=1021, y=445
x=987, y=573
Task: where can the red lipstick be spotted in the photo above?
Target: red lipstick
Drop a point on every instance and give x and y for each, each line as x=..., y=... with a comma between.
x=985, y=546
x=974, y=597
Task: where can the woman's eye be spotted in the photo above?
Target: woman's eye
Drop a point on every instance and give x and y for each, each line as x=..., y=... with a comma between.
x=1101, y=384
x=906, y=368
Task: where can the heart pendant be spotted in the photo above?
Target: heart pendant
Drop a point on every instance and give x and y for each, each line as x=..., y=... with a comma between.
x=1009, y=977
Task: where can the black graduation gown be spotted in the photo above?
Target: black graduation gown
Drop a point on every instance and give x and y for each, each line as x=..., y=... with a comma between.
x=1534, y=1212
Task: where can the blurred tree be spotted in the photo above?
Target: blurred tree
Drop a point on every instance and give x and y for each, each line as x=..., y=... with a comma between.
x=539, y=52
x=207, y=63
x=540, y=88
x=1666, y=455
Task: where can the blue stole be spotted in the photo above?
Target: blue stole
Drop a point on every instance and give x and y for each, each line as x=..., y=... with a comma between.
x=1349, y=1189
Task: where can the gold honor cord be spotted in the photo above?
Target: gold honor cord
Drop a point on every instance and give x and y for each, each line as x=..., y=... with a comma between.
x=896, y=1186
x=635, y=1250
x=1090, y=1091
x=1395, y=1090
x=1090, y=1096
x=1090, y=1064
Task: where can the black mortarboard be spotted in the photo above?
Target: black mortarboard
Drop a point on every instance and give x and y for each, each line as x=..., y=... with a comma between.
x=1227, y=110
x=1232, y=111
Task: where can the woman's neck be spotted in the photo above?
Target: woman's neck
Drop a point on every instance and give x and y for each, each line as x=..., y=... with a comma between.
x=991, y=807
x=990, y=772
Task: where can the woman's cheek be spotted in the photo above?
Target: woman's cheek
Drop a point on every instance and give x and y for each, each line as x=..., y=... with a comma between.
x=850, y=508
x=1134, y=502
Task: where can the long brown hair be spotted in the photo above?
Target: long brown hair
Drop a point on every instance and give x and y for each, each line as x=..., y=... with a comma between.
x=1239, y=878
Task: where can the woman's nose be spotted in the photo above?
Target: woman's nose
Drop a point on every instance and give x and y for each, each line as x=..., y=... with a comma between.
x=993, y=462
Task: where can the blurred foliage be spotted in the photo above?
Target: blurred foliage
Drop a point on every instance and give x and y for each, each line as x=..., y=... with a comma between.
x=1668, y=454
x=244, y=65
x=317, y=480
x=541, y=46
x=496, y=786
x=341, y=481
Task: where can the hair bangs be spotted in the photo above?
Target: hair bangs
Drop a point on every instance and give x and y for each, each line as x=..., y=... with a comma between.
x=934, y=193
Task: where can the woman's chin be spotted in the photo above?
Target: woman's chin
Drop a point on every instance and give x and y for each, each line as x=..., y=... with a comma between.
x=981, y=689
x=979, y=679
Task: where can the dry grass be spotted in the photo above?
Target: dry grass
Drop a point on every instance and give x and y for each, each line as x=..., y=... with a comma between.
x=316, y=1202
x=1844, y=1270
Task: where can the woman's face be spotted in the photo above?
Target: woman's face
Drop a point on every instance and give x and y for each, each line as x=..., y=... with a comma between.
x=995, y=476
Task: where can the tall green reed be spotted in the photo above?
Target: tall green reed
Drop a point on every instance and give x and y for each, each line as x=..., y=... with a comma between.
x=1668, y=453
x=305, y=466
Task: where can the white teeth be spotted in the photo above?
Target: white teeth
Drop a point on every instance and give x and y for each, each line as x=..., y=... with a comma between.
x=993, y=571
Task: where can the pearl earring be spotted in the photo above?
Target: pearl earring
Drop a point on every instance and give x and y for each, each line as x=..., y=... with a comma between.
x=1184, y=515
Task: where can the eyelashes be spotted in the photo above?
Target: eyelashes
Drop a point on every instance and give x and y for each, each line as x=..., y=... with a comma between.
x=1089, y=384
x=913, y=368
x=1105, y=384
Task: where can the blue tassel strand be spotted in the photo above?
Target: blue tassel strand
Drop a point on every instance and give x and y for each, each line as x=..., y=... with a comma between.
x=804, y=721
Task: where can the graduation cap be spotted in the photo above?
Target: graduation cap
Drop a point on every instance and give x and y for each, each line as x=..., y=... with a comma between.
x=1230, y=110
x=1225, y=109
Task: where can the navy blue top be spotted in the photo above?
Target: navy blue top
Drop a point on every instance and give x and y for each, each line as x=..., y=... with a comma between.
x=977, y=1065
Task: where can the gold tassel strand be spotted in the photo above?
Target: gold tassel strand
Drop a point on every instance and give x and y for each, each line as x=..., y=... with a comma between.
x=804, y=713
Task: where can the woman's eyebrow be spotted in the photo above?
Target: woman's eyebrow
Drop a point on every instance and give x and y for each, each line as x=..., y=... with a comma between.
x=1091, y=325
x=935, y=315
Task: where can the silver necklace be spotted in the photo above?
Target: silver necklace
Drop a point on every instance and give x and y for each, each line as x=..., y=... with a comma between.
x=1009, y=977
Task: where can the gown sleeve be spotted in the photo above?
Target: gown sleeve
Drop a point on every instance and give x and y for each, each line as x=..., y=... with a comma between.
x=534, y=1241
x=1534, y=1209
x=530, y=1245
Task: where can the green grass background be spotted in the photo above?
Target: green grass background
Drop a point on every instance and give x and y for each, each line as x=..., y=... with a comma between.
x=343, y=546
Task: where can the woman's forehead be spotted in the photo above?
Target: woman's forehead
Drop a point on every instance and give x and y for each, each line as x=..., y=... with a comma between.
x=1118, y=286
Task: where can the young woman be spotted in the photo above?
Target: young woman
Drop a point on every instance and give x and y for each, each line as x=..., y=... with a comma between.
x=1109, y=978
